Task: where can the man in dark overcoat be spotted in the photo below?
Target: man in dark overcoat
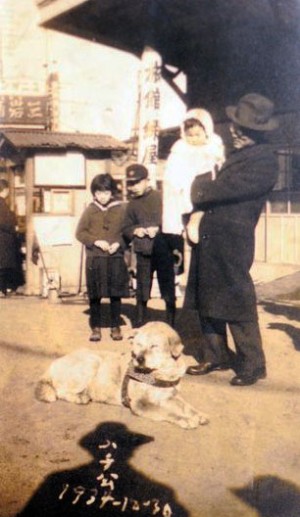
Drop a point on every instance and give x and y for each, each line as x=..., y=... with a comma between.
x=219, y=284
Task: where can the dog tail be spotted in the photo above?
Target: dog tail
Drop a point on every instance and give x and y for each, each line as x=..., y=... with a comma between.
x=45, y=391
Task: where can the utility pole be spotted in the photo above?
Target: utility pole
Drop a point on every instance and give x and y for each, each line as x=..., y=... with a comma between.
x=53, y=101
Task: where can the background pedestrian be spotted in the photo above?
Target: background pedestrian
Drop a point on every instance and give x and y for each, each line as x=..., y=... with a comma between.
x=11, y=274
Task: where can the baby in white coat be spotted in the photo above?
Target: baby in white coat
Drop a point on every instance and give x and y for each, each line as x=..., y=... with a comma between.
x=198, y=151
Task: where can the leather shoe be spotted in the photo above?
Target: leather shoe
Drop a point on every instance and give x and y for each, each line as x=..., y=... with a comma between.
x=116, y=334
x=248, y=379
x=203, y=368
x=96, y=334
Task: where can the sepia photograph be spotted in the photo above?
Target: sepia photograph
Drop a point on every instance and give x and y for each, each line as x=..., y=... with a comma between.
x=150, y=258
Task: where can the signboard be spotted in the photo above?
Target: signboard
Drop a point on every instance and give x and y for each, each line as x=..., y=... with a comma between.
x=23, y=110
x=21, y=86
x=54, y=230
x=149, y=111
x=66, y=169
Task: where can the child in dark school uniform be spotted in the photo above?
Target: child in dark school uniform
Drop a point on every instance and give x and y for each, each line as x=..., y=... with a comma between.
x=142, y=227
x=99, y=229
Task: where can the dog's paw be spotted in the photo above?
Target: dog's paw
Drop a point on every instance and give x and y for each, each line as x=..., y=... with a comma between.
x=203, y=419
x=189, y=423
x=193, y=421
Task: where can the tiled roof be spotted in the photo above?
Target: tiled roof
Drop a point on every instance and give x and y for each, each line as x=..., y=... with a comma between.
x=41, y=139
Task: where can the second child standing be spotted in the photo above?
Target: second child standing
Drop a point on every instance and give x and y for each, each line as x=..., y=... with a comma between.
x=142, y=227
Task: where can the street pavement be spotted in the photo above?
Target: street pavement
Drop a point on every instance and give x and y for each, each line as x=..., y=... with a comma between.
x=245, y=462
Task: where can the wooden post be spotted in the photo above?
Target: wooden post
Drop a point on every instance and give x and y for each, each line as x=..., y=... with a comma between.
x=31, y=273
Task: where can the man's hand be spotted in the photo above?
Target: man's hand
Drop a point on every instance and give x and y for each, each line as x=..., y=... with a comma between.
x=192, y=226
x=103, y=245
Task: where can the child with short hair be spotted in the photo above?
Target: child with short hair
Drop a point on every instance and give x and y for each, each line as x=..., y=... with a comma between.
x=142, y=227
x=99, y=229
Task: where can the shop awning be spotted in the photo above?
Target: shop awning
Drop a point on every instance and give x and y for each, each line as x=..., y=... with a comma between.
x=226, y=47
x=34, y=139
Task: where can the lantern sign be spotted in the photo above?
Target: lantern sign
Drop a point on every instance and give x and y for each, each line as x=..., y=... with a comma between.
x=149, y=111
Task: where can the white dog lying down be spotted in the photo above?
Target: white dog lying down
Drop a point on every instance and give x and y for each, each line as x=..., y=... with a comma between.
x=147, y=382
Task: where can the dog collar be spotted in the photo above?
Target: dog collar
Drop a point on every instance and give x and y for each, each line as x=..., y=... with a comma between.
x=147, y=378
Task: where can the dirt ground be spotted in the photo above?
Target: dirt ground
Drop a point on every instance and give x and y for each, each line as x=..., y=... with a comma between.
x=245, y=462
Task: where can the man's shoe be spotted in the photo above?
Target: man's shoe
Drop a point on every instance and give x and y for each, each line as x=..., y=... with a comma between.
x=116, y=334
x=96, y=334
x=248, y=379
x=203, y=368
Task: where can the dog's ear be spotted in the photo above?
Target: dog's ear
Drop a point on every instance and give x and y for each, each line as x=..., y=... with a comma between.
x=176, y=347
x=131, y=335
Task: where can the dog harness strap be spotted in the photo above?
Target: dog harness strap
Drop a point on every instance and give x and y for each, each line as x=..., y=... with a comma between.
x=147, y=378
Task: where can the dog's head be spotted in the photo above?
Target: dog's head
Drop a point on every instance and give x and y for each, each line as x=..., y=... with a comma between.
x=156, y=346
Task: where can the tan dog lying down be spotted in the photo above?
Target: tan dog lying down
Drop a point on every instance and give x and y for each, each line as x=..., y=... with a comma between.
x=147, y=382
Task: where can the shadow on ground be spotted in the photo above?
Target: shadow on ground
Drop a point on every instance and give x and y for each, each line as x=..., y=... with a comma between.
x=271, y=496
x=291, y=313
x=187, y=322
x=280, y=309
x=108, y=485
x=290, y=330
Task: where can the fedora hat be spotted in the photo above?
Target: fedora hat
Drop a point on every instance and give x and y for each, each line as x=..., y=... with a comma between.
x=253, y=111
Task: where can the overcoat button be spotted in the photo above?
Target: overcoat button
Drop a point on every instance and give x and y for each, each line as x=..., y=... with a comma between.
x=204, y=237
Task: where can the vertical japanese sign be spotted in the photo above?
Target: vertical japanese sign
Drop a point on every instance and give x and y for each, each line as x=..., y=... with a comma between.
x=150, y=81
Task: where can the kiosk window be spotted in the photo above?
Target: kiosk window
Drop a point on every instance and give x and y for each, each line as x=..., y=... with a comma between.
x=285, y=197
x=53, y=201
